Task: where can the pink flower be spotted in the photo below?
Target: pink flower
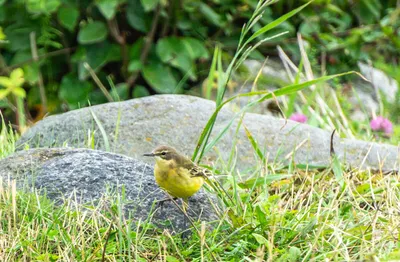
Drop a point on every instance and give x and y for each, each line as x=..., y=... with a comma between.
x=381, y=124
x=298, y=117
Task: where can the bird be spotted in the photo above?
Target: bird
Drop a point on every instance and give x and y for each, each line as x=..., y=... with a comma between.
x=177, y=174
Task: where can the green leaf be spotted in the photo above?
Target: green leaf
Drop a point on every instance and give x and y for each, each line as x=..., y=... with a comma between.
x=369, y=10
x=79, y=54
x=171, y=259
x=149, y=5
x=135, y=50
x=196, y=48
x=3, y=13
x=19, y=92
x=4, y=93
x=17, y=76
x=107, y=8
x=140, y=91
x=261, y=216
x=18, y=35
x=135, y=65
x=2, y=35
x=13, y=84
x=33, y=97
x=92, y=33
x=307, y=28
x=5, y=81
x=98, y=55
x=363, y=188
x=260, y=239
x=73, y=91
x=31, y=73
x=160, y=78
x=68, y=17
x=210, y=14
x=136, y=16
x=42, y=6
x=52, y=234
x=171, y=50
x=47, y=257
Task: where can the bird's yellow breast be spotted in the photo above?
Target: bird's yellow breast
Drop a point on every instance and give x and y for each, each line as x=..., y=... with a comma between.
x=177, y=181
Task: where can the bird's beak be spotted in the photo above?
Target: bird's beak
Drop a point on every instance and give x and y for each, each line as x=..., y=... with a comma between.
x=149, y=154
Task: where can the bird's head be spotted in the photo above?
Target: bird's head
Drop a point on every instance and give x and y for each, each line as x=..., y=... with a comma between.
x=164, y=154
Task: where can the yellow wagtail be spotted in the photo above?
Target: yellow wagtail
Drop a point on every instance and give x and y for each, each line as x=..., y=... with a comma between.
x=177, y=174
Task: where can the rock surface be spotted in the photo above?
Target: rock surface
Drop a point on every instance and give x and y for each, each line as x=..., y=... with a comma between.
x=387, y=85
x=137, y=126
x=273, y=70
x=91, y=173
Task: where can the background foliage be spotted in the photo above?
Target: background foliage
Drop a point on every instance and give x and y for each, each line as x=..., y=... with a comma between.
x=72, y=52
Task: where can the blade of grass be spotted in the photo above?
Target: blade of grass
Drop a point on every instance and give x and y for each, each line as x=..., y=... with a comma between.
x=256, y=182
x=103, y=132
x=21, y=114
x=276, y=22
x=254, y=144
x=7, y=139
x=211, y=75
x=222, y=82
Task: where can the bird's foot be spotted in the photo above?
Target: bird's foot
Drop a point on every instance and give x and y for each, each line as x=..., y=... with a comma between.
x=161, y=202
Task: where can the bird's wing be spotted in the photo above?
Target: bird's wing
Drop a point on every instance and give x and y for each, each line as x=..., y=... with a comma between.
x=196, y=171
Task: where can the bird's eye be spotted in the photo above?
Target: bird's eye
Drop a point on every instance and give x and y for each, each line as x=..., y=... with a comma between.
x=164, y=153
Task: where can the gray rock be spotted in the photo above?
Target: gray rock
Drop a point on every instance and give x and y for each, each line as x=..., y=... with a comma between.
x=91, y=173
x=362, y=99
x=273, y=76
x=178, y=121
x=380, y=80
x=273, y=70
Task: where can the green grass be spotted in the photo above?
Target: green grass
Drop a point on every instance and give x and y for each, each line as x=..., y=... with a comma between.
x=308, y=214
x=8, y=138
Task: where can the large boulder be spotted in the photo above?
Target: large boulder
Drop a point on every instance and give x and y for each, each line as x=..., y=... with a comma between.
x=90, y=173
x=137, y=126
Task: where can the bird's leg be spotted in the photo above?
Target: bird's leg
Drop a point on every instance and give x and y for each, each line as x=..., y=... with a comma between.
x=186, y=233
x=160, y=203
x=185, y=205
